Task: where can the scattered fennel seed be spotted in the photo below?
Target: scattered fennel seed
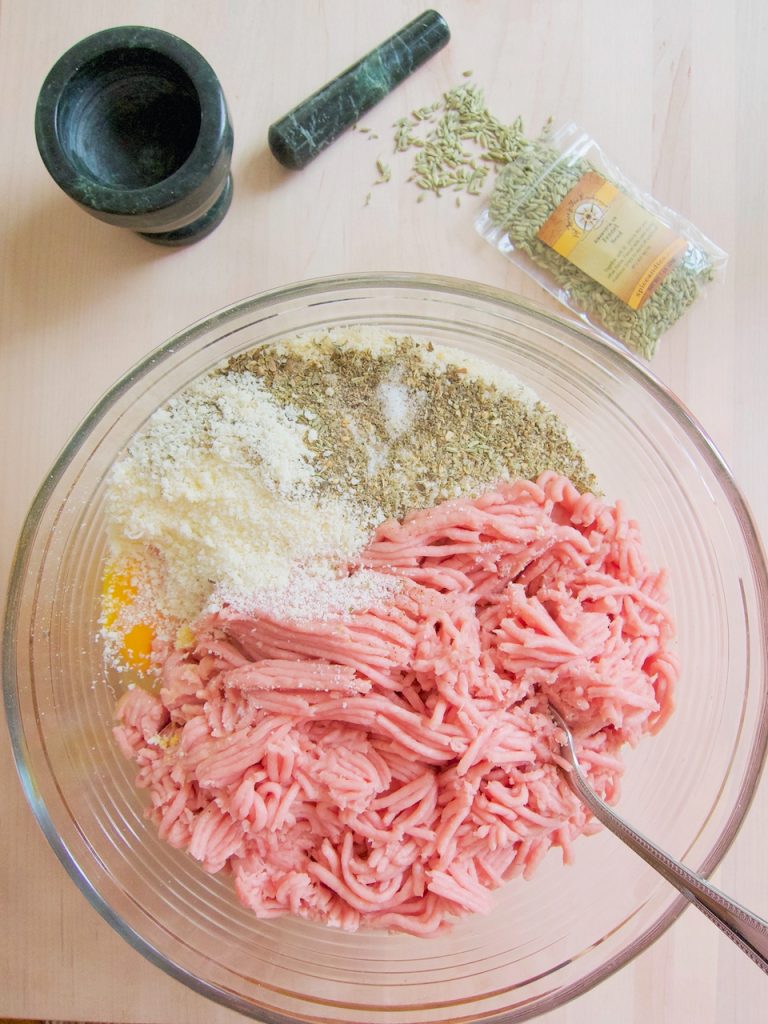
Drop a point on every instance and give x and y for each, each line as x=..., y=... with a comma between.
x=385, y=172
x=460, y=132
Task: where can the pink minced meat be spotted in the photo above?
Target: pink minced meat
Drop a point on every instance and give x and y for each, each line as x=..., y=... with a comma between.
x=391, y=768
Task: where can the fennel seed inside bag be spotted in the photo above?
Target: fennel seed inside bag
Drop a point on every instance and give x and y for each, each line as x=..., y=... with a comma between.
x=621, y=261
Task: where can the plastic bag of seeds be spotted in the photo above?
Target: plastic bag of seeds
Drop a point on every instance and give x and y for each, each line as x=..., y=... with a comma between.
x=613, y=255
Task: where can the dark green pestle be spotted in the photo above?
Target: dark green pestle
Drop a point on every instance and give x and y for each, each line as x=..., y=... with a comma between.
x=132, y=124
x=298, y=137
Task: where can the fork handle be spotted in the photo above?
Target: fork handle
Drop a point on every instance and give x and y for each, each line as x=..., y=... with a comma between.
x=747, y=930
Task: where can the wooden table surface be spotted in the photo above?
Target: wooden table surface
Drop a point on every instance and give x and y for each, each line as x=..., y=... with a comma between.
x=674, y=91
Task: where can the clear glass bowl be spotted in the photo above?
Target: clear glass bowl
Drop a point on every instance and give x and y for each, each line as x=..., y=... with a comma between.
x=546, y=940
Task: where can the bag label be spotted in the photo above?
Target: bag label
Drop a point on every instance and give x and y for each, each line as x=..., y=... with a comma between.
x=611, y=238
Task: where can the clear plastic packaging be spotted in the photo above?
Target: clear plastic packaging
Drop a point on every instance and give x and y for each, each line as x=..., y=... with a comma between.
x=612, y=254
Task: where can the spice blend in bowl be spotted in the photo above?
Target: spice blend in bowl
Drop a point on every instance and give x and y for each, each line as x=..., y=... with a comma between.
x=282, y=462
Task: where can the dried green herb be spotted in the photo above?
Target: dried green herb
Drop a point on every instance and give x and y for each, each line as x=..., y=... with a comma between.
x=463, y=433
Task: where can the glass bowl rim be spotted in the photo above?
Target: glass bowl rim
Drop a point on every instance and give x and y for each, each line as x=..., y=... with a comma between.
x=449, y=287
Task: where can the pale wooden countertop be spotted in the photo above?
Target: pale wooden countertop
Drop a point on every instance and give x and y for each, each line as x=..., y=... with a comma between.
x=675, y=92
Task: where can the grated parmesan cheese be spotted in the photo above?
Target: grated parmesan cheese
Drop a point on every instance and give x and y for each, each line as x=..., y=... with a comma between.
x=217, y=485
x=314, y=594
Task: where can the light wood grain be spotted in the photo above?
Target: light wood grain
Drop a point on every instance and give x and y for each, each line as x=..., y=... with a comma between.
x=674, y=91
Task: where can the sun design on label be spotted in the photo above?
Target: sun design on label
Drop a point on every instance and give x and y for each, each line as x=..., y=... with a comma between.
x=588, y=215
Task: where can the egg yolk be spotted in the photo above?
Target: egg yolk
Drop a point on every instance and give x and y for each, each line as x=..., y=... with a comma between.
x=118, y=591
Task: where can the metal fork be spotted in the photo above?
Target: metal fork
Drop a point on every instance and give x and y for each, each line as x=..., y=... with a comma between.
x=747, y=930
